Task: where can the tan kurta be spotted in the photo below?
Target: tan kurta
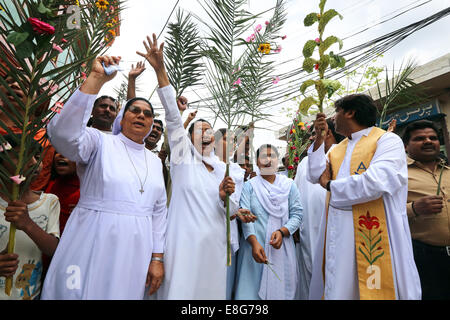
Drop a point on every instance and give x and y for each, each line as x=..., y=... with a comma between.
x=433, y=229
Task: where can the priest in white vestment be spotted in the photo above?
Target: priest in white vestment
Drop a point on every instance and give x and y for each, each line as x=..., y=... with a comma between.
x=385, y=177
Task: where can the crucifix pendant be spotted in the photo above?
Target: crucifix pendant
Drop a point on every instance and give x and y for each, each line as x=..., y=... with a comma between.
x=141, y=191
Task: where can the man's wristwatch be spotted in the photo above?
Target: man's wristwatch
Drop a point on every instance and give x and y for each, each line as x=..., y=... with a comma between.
x=329, y=185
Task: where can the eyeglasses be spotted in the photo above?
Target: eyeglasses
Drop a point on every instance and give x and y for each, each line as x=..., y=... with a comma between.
x=137, y=110
x=207, y=132
x=106, y=106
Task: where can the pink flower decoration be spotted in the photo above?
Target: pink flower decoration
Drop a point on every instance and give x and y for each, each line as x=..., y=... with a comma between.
x=5, y=147
x=53, y=88
x=267, y=23
x=278, y=49
x=64, y=40
x=41, y=27
x=18, y=179
x=84, y=65
x=83, y=76
x=258, y=28
x=237, y=82
x=57, y=48
x=252, y=37
x=57, y=107
x=317, y=40
x=276, y=80
x=283, y=37
x=249, y=39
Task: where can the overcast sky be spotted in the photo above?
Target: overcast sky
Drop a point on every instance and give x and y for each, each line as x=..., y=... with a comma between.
x=143, y=17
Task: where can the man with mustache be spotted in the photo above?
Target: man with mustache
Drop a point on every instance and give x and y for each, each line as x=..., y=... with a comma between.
x=428, y=208
x=104, y=113
x=364, y=248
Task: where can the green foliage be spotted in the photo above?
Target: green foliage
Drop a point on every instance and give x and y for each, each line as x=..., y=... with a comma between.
x=399, y=90
x=328, y=42
x=308, y=64
x=325, y=61
x=326, y=17
x=309, y=48
x=306, y=104
x=310, y=19
x=306, y=84
x=182, y=54
x=30, y=62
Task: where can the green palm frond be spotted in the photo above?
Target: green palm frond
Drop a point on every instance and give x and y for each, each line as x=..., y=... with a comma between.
x=182, y=53
x=32, y=62
x=399, y=90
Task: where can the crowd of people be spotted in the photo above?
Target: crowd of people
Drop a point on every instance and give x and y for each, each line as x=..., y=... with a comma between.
x=109, y=216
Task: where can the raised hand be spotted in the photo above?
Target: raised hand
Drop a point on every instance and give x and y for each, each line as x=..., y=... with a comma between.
x=192, y=115
x=392, y=125
x=182, y=103
x=136, y=72
x=154, y=55
x=320, y=125
x=97, y=78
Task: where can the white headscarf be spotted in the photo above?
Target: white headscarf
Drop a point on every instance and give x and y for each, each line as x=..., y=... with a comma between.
x=274, y=198
x=117, y=128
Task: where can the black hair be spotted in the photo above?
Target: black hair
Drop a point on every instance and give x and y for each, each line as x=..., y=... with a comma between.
x=104, y=97
x=220, y=133
x=336, y=135
x=130, y=102
x=160, y=122
x=191, y=128
x=417, y=125
x=266, y=146
x=363, y=105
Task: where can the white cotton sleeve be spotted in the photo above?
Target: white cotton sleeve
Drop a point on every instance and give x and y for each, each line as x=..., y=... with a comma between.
x=387, y=173
x=179, y=142
x=68, y=132
x=317, y=163
x=53, y=215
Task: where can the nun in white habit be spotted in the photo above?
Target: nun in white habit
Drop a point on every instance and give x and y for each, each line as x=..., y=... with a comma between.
x=196, y=245
x=113, y=243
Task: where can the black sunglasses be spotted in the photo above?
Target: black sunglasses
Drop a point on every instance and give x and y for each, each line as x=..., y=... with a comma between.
x=137, y=110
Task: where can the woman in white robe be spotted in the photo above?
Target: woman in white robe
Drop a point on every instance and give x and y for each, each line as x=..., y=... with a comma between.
x=196, y=244
x=113, y=242
x=275, y=200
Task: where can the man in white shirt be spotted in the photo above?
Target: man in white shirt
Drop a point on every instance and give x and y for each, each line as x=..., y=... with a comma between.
x=313, y=198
